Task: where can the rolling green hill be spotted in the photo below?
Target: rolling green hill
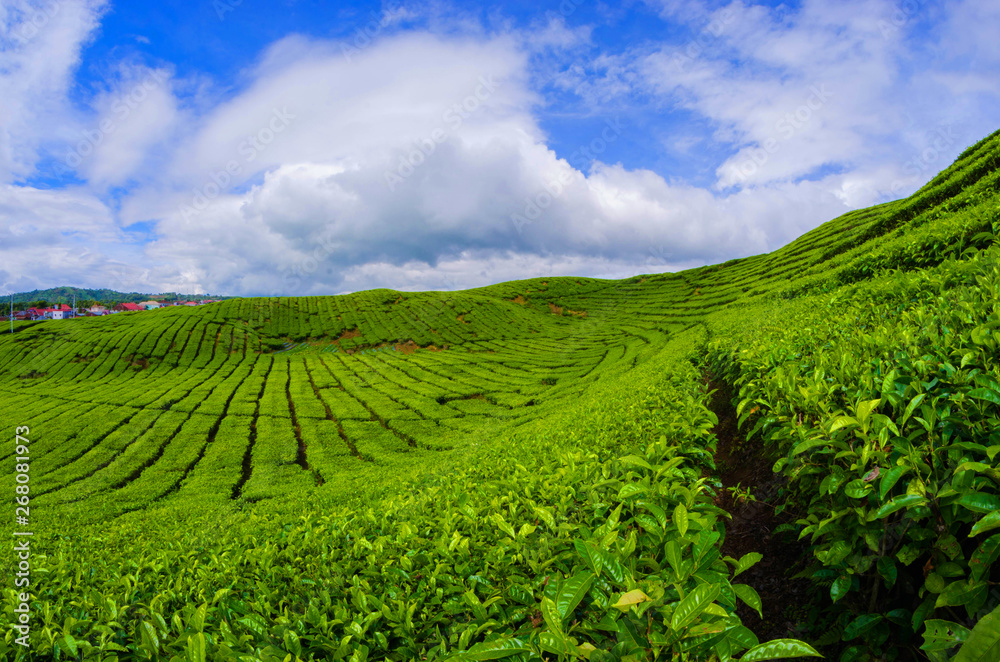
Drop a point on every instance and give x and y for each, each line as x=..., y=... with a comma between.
x=535, y=468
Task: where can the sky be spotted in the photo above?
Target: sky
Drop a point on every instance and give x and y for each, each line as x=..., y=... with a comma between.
x=296, y=147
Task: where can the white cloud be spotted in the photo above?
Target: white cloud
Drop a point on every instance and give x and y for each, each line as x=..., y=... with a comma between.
x=796, y=92
x=51, y=237
x=831, y=87
x=312, y=227
x=373, y=104
x=40, y=45
x=137, y=114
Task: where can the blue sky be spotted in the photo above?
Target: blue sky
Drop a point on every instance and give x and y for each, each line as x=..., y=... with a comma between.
x=299, y=147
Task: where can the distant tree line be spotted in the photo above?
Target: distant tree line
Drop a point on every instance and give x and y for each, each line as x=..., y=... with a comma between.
x=85, y=298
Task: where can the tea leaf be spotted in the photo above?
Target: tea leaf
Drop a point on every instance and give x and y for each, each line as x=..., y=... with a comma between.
x=778, y=649
x=694, y=604
x=983, y=643
x=681, y=519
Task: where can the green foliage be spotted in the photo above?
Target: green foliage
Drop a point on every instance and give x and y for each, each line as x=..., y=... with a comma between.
x=569, y=553
x=883, y=414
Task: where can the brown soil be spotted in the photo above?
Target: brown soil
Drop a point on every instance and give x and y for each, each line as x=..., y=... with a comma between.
x=408, y=347
x=555, y=309
x=461, y=318
x=785, y=600
x=519, y=299
x=349, y=333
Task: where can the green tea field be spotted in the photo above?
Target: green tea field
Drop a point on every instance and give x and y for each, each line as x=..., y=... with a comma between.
x=787, y=455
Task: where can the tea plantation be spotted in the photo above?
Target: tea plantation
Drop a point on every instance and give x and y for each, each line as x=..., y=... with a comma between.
x=529, y=470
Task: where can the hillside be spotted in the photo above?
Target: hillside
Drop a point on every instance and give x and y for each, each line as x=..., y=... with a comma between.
x=539, y=467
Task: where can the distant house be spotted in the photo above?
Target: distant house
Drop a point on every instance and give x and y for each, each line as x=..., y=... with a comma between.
x=97, y=310
x=126, y=307
x=62, y=311
x=150, y=305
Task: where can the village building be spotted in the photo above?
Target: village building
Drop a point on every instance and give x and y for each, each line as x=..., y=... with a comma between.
x=62, y=311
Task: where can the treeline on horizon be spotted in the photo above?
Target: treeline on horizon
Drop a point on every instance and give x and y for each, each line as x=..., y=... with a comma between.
x=92, y=297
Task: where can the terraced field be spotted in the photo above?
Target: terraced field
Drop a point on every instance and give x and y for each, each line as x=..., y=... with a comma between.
x=391, y=475
x=253, y=399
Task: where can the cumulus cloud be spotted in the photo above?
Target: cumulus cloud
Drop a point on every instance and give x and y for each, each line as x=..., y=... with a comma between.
x=313, y=227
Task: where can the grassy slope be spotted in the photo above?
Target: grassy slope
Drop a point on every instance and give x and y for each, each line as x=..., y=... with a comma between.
x=528, y=365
